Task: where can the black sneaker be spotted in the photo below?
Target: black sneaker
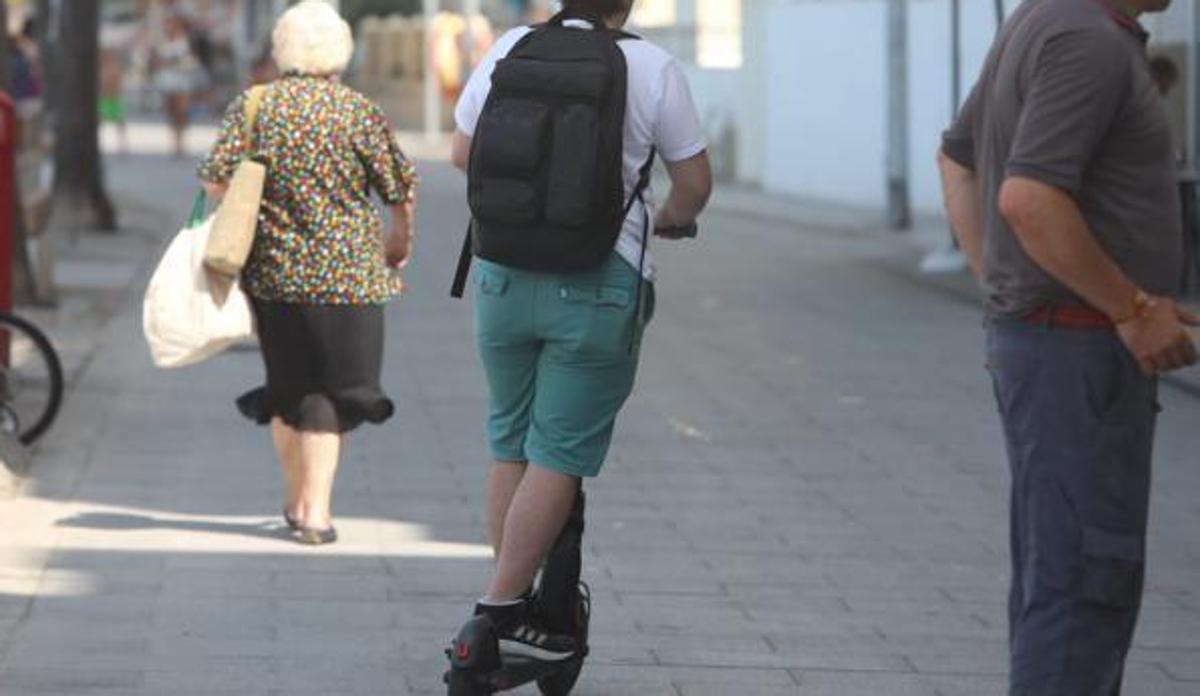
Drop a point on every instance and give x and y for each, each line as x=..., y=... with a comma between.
x=522, y=635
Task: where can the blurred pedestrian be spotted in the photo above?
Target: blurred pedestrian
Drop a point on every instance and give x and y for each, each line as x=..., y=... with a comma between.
x=175, y=76
x=112, y=94
x=203, y=48
x=1059, y=178
x=263, y=69
x=25, y=64
x=560, y=337
x=446, y=52
x=318, y=273
x=1166, y=74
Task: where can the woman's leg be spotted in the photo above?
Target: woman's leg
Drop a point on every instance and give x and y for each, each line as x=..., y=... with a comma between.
x=319, y=454
x=177, y=106
x=287, y=448
x=503, y=481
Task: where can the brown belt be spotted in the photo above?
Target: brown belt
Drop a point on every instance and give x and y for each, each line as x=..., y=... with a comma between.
x=1069, y=317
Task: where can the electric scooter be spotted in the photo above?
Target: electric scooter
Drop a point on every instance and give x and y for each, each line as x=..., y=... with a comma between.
x=563, y=604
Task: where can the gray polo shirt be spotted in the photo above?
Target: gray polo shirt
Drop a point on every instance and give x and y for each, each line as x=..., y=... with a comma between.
x=1066, y=98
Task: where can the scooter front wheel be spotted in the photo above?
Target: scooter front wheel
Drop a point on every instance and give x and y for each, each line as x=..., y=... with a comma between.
x=561, y=683
x=459, y=683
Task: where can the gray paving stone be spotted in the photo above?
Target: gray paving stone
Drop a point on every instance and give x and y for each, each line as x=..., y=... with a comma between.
x=806, y=496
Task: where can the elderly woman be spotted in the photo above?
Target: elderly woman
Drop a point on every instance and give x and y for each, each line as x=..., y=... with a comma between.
x=318, y=273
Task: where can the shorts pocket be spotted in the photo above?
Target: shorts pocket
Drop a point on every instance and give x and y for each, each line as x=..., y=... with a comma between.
x=492, y=283
x=598, y=318
x=596, y=295
x=1113, y=568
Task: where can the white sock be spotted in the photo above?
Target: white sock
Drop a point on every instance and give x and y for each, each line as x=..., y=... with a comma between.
x=489, y=602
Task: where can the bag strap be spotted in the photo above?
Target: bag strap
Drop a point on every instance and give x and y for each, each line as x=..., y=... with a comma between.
x=198, y=208
x=254, y=100
x=643, y=182
x=464, y=267
x=639, y=195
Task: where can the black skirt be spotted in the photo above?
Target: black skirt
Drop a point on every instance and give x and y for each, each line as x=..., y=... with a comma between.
x=323, y=365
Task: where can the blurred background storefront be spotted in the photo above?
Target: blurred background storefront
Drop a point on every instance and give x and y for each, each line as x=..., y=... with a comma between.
x=835, y=100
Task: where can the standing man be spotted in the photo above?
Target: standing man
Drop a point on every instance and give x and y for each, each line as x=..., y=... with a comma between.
x=1059, y=181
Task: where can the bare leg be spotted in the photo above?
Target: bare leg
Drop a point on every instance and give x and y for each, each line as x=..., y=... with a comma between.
x=539, y=510
x=318, y=462
x=177, y=136
x=503, y=481
x=177, y=107
x=287, y=448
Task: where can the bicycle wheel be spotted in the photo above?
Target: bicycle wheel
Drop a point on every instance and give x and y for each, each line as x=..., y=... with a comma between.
x=31, y=379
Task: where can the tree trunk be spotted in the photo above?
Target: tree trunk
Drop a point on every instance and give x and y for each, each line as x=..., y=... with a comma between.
x=79, y=195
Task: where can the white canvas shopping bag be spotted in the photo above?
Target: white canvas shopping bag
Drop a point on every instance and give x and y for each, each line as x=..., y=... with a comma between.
x=190, y=314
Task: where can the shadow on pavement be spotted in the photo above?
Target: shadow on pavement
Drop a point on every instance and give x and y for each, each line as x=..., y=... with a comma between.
x=122, y=522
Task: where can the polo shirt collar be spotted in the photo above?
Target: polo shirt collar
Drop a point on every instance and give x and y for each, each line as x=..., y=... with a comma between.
x=1121, y=16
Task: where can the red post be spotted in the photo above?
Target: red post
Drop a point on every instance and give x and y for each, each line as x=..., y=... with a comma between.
x=9, y=132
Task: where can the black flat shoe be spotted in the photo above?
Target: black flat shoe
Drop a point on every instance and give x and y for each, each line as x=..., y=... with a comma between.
x=314, y=537
x=290, y=521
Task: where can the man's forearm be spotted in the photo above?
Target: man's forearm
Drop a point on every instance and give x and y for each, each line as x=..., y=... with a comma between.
x=1054, y=233
x=964, y=209
x=683, y=206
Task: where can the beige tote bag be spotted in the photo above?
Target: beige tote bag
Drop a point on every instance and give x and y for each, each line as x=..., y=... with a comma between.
x=237, y=217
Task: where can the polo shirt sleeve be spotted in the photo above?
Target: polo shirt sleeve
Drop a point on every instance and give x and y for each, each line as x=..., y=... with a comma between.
x=958, y=142
x=678, y=132
x=1078, y=86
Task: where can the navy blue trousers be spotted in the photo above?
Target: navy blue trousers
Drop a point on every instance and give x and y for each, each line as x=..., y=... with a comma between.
x=1079, y=422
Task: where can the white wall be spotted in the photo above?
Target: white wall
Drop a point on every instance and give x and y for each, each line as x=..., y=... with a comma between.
x=811, y=101
x=930, y=108
x=825, y=99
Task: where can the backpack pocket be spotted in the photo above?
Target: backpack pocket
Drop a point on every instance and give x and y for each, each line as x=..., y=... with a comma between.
x=506, y=202
x=571, y=187
x=570, y=79
x=512, y=138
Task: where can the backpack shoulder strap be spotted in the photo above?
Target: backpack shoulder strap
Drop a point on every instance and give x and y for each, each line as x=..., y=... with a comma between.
x=643, y=182
x=459, y=286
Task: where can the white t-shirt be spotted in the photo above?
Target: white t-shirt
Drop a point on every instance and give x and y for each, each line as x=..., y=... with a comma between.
x=660, y=113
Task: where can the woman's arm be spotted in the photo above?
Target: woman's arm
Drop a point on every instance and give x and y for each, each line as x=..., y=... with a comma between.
x=214, y=191
x=398, y=245
x=460, y=150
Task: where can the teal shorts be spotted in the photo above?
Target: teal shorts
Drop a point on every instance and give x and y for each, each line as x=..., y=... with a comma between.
x=560, y=351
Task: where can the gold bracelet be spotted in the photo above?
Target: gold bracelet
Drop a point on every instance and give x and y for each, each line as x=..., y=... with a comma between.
x=1143, y=302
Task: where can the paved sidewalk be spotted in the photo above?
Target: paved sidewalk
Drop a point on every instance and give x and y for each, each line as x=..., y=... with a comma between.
x=807, y=496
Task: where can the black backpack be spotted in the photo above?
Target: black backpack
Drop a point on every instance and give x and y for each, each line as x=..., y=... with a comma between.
x=546, y=176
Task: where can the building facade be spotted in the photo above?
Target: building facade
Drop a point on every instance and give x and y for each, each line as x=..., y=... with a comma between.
x=796, y=92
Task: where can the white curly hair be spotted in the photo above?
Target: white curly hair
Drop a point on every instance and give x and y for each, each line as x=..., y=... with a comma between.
x=311, y=38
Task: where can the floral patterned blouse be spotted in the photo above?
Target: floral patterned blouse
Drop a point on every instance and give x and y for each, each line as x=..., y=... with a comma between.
x=326, y=147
